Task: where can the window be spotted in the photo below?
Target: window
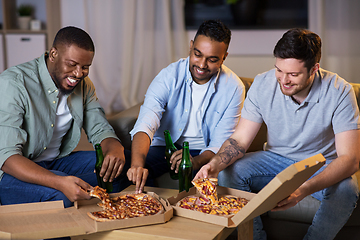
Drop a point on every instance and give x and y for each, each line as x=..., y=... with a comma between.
x=248, y=14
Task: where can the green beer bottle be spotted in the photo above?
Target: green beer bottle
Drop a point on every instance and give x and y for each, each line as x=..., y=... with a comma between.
x=185, y=169
x=99, y=161
x=169, y=150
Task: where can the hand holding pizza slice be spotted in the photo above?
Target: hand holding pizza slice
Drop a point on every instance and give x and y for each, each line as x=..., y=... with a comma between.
x=207, y=188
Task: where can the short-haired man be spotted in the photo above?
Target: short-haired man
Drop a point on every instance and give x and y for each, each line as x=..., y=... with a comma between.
x=44, y=105
x=197, y=99
x=307, y=110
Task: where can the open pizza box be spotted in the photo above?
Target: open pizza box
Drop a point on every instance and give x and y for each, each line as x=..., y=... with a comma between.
x=285, y=183
x=51, y=219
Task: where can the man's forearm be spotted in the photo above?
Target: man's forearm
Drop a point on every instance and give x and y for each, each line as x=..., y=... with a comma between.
x=202, y=159
x=139, y=149
x=229, y=152
x=28, y=171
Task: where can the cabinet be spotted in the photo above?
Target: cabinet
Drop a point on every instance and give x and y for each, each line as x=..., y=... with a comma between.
x=20, y=45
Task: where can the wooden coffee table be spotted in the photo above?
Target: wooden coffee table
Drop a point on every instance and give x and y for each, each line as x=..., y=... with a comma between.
x=176, y=228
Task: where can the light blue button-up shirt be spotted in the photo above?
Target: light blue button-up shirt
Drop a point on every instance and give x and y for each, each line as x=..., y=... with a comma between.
x=168, y=100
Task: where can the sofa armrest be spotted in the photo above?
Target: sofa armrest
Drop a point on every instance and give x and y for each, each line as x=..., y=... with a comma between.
x=123, y=122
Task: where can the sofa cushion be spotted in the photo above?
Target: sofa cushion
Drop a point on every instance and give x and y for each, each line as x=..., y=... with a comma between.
x=123, y=122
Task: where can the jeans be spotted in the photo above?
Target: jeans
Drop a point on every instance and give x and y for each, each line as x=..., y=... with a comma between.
x=80, y=164
x=156, y=162
x=256, y=169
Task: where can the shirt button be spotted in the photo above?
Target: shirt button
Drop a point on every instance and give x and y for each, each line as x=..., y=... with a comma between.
x=180, y=129
x=186, y=110
x=44, y=148
x=52, y=125
x=54, y=102
x=56, y=90
x=49, y=91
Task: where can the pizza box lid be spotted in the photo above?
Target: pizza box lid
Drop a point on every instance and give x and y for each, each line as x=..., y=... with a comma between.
x=51, y=219
x=280, y=187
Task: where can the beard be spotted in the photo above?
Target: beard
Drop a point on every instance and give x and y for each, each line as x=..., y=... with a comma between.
x=63, y=90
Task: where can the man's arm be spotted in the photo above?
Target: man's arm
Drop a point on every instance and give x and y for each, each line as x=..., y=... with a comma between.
x=28, y=171
x=232, y=149
x=346, y=164
x=139, y=150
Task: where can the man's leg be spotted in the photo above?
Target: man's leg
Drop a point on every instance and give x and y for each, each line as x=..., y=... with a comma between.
x=337, y=204
x=251, y=173
x=14, y=191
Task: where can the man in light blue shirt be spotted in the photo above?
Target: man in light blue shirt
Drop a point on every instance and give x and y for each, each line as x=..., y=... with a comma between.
x=197, y=99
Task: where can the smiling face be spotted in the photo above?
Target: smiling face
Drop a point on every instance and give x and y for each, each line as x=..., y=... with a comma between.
x=293, y=77
x=206, y=57
x=68, y=65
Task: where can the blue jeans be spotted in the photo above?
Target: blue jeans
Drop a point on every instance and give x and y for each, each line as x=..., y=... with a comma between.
x=156, y=162
x=80, y=164
x=256, y=169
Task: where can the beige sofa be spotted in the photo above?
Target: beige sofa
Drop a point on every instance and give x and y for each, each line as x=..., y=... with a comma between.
x=290, y=224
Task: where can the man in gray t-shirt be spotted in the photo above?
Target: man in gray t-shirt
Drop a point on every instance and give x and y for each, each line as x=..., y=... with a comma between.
x=307, y=111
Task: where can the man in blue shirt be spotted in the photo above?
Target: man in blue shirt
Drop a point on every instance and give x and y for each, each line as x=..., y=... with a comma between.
x=197, y=99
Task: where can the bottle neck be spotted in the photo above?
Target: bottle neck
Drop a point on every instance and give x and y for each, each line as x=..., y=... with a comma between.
x=168, y=141
x=186, y=154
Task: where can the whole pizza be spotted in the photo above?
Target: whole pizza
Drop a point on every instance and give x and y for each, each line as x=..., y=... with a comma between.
x=125, y=206
x=209, y=202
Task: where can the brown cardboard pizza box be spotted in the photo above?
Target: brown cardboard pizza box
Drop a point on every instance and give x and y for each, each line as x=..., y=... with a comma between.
x=51, y=219
x=284, y=183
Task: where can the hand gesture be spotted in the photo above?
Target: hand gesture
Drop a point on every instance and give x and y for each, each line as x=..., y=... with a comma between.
x=74, y=188
x=138, y=176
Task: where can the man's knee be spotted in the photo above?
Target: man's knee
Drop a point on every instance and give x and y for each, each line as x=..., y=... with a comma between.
x=346, y=190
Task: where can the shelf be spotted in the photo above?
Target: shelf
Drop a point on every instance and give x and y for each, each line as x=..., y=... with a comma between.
x=9, y=24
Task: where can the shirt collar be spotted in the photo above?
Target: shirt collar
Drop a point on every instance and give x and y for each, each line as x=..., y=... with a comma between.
x=45, y=77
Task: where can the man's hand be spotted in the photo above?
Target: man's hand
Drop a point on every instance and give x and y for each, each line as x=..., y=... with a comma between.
x=114, y=159
x=207, y=171
x=175, y=160
x=138, y=176
x=74, y=188
x=290, y=201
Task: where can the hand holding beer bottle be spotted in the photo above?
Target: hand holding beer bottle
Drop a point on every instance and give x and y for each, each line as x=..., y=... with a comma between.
x=99, y=161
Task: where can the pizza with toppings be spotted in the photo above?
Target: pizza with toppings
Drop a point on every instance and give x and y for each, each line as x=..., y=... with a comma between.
x=125, y=206
x=209, y=202
x=207, y=188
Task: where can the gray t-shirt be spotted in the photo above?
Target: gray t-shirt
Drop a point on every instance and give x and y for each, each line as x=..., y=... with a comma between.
x=301, y=131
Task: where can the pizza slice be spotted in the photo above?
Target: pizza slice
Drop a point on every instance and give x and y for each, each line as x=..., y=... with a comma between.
x=207, y=188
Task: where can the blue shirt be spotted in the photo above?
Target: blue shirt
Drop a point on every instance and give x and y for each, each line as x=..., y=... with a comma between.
x=299, y=131
x=168, y=99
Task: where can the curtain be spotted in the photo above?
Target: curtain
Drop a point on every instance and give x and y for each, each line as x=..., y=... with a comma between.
x=338, y=24
x=134, y=40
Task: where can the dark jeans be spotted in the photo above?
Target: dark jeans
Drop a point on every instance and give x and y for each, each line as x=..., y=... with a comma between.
x=80, y=164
